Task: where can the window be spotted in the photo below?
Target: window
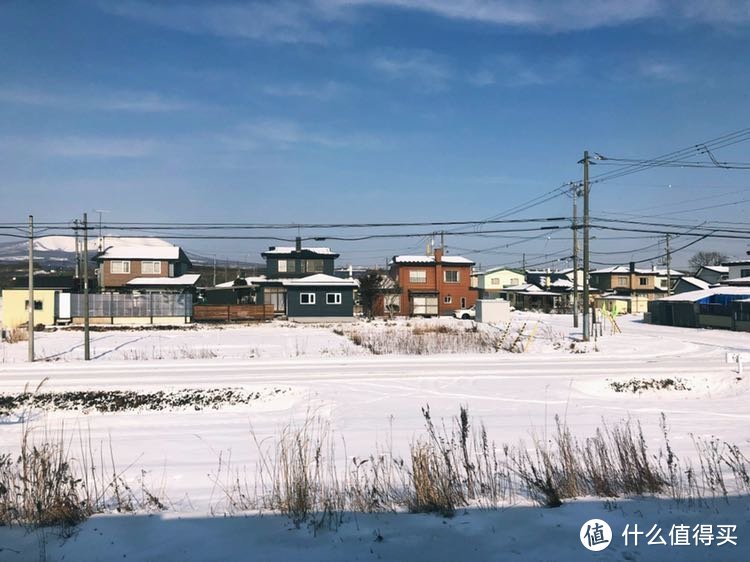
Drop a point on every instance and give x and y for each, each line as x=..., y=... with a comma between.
x=744, y=272
x=37, y=305
x=513, y=281
x=450, y=276
x=463, y=302
x=494, y=281
x=153, y=267
x=119, y=267
x=333, y=298
x=663, y=283
x=417, y=276
x=287, y=266
x=642, y=281
x=307, y=298
x=623, y=281
x=313, y=266
x=448, y=299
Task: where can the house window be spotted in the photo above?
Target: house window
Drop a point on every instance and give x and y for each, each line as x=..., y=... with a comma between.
x=463, y=302
x=417, y=276
x=513, y=281
x=622, y=281
x=119, y=267
x=307, y=298
x=287, y=266
x=448, y=299
x=450, y=276
x=313, y=266
x=642, y=281
x=663, y=283
x=153, y=267
x=494, y=281
x=333, y=298
x=37, y=305
x=744, y=272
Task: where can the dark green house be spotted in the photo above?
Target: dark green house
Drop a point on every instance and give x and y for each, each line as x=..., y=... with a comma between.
x=319, y=297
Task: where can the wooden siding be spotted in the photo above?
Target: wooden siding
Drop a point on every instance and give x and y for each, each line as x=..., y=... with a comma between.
x=232, y=312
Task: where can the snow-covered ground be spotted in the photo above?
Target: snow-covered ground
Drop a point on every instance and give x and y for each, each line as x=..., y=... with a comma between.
x=373, y=400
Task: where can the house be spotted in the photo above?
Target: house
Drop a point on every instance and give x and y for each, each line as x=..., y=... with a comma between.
x=301, y=285
x=433, y=285
x=145, y=268
x=687, y=284
x=737, y=268
x=641, y=285
x=490, y=283
x=528, y=296
x=51, y=301
x=319, y=297
x=712, y=274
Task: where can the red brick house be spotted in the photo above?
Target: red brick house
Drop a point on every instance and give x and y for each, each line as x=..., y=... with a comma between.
x=433, y=285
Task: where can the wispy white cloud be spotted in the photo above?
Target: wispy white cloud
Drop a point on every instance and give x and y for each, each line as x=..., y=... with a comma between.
x=136, y=102
x=661, y=70
x=282, y=21
x=569, y=15
x=74, y=146
x=426, y=70
x=513, y=70
x=324, y=92
x=286, y=134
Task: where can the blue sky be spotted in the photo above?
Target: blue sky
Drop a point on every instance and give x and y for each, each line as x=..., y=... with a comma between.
x=362, y=111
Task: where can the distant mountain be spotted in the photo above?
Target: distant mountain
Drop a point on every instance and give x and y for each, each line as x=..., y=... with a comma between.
x=60, y=250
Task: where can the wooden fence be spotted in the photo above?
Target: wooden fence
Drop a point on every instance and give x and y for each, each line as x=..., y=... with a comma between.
x=232, y=312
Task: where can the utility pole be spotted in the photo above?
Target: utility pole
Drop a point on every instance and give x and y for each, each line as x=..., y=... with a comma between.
x=86, y=340
x=31, y=289
x=78, y=252
x=669, y=269
x=586, y=265
x=523, y=261
x=575, y=255
x=442, y=240
x=214, y=270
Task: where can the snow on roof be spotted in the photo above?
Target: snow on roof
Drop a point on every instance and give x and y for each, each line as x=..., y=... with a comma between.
x=717, y=268
x=700, y=283
x=638, y=271
x=738, y=281
x=291, y=249
x=250, y=281
x=431, y=259
x=182, y=280
x=739, y=261
x=140, y=253
x=693, y=296
x=562, y=283
x=320, y=279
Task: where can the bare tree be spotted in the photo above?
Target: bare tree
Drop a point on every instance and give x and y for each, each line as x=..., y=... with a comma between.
x=706, y=258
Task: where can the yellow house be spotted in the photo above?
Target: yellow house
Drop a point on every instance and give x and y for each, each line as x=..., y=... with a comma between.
x=16, y=311
x=491, y=282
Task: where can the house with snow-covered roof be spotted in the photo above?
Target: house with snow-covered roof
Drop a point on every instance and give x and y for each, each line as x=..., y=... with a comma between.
x=433, y=285
x=144, y=268
x=300, y=284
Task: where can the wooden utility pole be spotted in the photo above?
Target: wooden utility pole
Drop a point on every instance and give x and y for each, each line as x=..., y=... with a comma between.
x=78, y=253
x=575, y=255
x=86, y=340
x=669, y=269
x=214, y=270
x=31, y=289
x=586, y=265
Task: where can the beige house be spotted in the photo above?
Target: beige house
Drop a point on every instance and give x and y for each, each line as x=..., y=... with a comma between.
x=491, y=283
x=632, y=287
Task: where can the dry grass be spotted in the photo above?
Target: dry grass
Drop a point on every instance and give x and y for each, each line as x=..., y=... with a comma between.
x=16, y=335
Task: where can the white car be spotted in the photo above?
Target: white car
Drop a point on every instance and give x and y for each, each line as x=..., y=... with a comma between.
x=466, y=313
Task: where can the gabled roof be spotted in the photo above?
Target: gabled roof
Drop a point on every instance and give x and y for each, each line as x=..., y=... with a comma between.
x=694, y=296
x=186, y=280
x=716, y=268
x=289, y=250
x=250, y=281
x=320, y=280
x=141, y=253
x=500, y=268
x=455, y=260
x=695, y=282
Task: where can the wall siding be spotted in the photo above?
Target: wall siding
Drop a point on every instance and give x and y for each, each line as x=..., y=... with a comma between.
x=320, y=308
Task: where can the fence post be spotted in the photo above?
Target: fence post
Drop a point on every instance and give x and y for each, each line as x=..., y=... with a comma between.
x=111, y=307
x=151, y=306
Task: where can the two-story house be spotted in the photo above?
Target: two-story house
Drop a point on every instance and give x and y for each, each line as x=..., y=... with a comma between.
x=737, y=269
x=433, y=285
x=634, y=286
x=301, y=285
x=149, y=268
x=490, y=283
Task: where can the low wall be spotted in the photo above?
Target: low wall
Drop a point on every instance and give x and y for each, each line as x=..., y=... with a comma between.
x=134, y=321
x=232, y=312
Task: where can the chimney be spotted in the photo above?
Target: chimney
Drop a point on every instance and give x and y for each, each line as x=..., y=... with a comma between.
x=438, y=255
x=632, y=267
x=298, y=244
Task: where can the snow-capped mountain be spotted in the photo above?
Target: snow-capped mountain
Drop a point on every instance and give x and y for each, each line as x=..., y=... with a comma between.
x=61, y=249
